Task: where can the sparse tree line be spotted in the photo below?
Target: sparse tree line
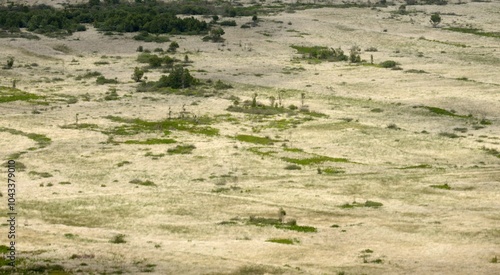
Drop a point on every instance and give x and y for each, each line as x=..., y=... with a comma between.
x=145, y=16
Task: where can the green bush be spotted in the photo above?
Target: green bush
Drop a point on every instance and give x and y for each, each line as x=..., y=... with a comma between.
x=388, y=64
x=144, y=183
x=178, y=78
x=181, y=149
x=229, y=23
x=101, y=80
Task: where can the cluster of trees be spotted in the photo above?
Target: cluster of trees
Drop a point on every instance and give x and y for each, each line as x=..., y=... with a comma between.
x=179, y=78
x=146, y=15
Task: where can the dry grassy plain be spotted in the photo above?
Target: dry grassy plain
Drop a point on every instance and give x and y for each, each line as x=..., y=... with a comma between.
x=376, y=142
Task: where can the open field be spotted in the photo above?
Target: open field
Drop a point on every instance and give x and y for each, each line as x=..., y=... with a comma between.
x=380, y=170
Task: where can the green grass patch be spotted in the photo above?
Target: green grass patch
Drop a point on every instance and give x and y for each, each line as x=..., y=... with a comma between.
x=141, y=182
x=474, y=31
x=298, y=228
x=181, y=149
x=441, y=186
x=314, y=160
x=255, y=139
x=282, y=241
x=11, y=94
x=136, y=126
x=368, y=203
x=439, y=111
x=151, y=141
x=42, y=140
x=292, y=225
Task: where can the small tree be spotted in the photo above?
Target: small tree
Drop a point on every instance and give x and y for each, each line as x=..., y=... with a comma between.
x=354, y=56
x=173, y=47
x=169, y=61
x=435, y=20
x=216, y=34
x=137, y=75
x=10, y=62
x=154, y=61
x=254, y=100
x=178, y=78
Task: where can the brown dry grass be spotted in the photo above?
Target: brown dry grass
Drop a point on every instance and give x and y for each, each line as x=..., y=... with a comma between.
x=174, y=225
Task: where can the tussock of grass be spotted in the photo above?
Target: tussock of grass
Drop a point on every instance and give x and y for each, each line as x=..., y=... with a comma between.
x=368, y=203
x=441, y=186
x=255, y=139
x=414, y=71
x=282, y=241
x=117, y=239
x=293, y=167
x=491, y=151
x=40, y=174
x=449, y=135
x=120, y=164
x=260, y=221
x=332, y=171
x=181, y=149
x=141, y=182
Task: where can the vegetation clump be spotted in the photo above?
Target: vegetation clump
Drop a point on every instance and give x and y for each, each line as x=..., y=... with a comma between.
x=12, y=94
x=141, y=182
x=291, y=225
x=322, y=53
x=255, y=139
x=441, y=186
x=136, y=126
x=283, y=241
x=181, y=149
x=368, y=203
x=109, y=16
